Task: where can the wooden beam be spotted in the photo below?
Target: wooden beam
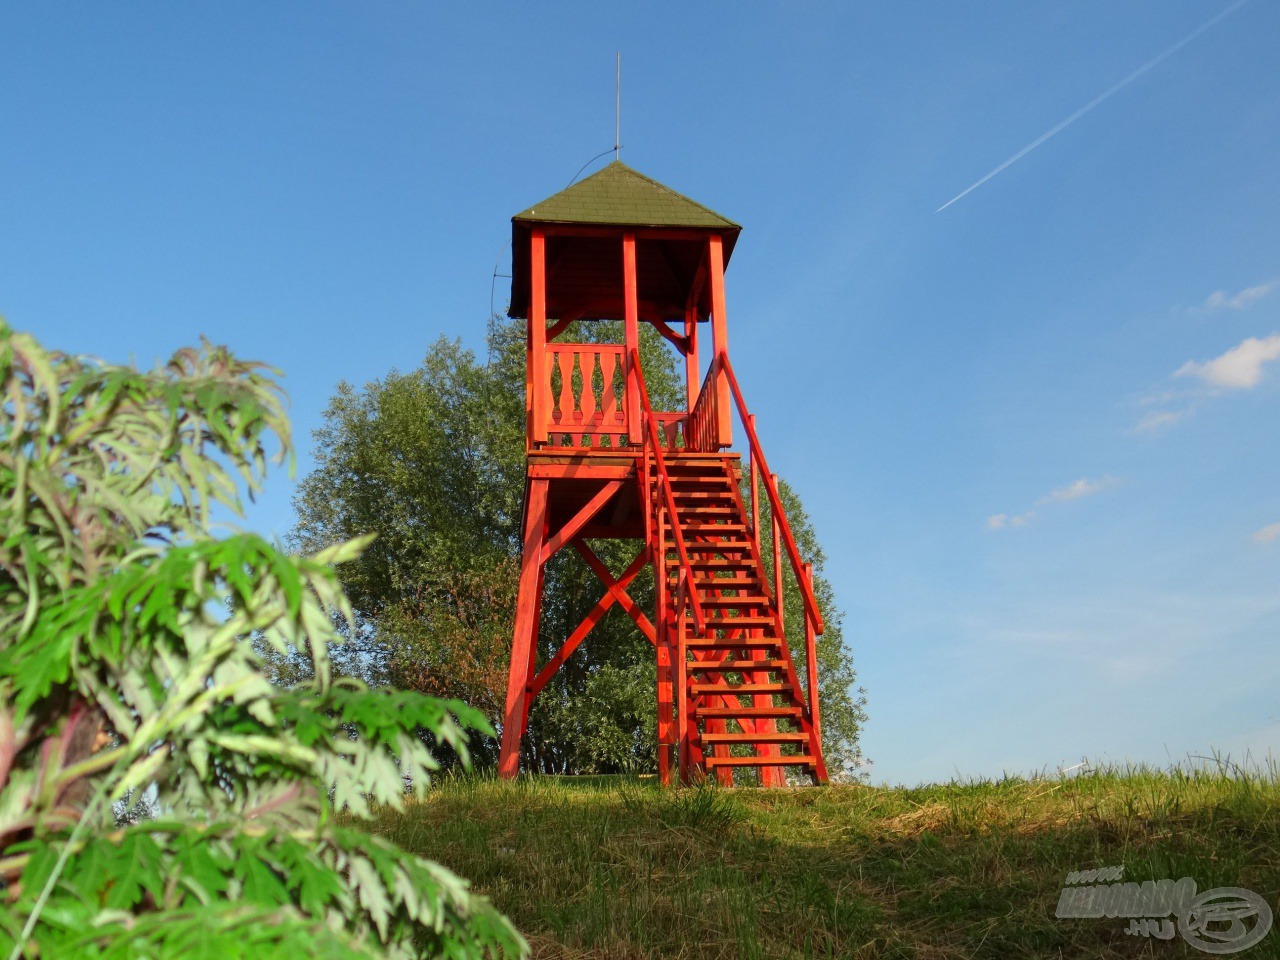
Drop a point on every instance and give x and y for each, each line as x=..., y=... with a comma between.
x=631, y=322
x=679, y=342
x=580, y=519
x=561, y=325
x=692, y=372
x=539, y=389
x=719, y=335
x=643, y=233
x=624, y=600
x=588, y=623
x=524, y=641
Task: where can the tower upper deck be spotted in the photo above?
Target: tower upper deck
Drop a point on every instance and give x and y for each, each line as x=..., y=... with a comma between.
x=583, y=226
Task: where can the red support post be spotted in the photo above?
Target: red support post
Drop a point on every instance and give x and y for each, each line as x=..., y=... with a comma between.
x=538, y=388
x=692, y=373
x=666, y=724
x=631, y=325
x=719, y=336
x=683, y=760
x=524, y=645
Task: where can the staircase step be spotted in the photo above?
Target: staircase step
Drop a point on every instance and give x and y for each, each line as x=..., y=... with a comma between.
x=733, y=713
x=734, y=623
x=695, y=469
x=778, y=761
x=693, y=455
x=736, y=666
x=744, y=600
x=721, y=643
x=720, y=528
x=736, y=546
x=741, y=688
x=721, y=583
x=757, y=737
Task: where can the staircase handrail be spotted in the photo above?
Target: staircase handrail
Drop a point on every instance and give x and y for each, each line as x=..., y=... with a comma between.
x=664, y=482
x=721, y=363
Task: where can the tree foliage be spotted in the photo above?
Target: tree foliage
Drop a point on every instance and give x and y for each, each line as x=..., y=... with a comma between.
x=126, y=666
x=433, y=461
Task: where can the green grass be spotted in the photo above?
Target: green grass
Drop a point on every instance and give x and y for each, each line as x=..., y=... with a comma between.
x=617, y=868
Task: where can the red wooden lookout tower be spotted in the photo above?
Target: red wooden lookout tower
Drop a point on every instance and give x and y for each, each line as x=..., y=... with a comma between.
x=603, y=464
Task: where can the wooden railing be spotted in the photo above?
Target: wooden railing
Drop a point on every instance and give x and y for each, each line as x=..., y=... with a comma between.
x=653, y=445
x=703, y=432
x=672, y=428
x=779, y=512
x=706, y=433
x=583, y=395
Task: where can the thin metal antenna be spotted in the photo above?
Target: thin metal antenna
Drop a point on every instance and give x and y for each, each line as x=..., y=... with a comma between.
x=617, y=113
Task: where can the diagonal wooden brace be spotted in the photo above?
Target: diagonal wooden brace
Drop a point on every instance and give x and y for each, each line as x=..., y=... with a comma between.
x=580, y=519
x=586, y=626
x=616, y=591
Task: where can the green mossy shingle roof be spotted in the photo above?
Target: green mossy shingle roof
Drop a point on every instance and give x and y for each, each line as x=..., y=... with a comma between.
x=618, y=195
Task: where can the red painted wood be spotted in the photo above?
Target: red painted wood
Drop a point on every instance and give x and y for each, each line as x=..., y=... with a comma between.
x=811, y=658
x=775, y=501
x=719, y=335
x=576, y=523
x=691, y=369
x=664, y=481
x=588, y=623
x=593, y=447
x=624, y=600
x=537, y=337
x=631, y=330
x=524, y=642
x=779, y=588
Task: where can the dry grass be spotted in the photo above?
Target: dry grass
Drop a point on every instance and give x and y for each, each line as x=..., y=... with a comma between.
x=616, y=869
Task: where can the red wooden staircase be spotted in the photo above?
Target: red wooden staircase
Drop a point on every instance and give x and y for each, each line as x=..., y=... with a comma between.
x=729, y=694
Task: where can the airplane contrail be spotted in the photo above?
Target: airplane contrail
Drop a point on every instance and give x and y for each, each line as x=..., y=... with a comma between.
x=1109, y=92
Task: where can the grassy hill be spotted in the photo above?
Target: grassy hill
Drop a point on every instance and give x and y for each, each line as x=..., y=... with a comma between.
x=617, y=868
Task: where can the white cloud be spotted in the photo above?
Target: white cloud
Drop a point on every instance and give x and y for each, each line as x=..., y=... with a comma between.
x=1221, y=300
x=1083, y=487
x=1240, y=368
x=1159, y=420
x=1268, y=533
x=1001, y=520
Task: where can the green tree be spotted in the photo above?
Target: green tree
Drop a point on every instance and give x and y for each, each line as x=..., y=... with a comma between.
x=127, y=665
x=432, y=460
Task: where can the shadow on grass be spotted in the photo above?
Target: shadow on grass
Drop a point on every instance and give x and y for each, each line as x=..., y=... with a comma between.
x=617, y=868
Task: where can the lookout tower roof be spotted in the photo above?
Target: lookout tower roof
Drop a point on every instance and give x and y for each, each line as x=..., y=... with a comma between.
x=579, y=221
x=620, y=196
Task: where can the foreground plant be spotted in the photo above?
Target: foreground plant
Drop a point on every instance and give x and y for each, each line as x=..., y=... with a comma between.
x=131, y=664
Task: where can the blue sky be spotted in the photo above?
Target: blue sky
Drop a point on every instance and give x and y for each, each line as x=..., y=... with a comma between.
x=1037, y=431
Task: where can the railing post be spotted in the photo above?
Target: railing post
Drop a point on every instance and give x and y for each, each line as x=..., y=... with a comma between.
x=719, y=338
x=535, y=402
x=682, y=683
x=666, y=723
x=778, y=588
x=811, y=656
x=631, y=325
x=692, y=375
x=755, y=490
